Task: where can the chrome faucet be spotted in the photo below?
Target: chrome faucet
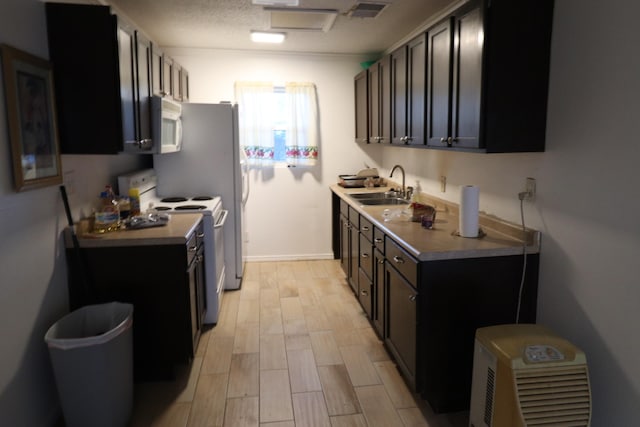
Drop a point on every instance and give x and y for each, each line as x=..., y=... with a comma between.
x=403, y=192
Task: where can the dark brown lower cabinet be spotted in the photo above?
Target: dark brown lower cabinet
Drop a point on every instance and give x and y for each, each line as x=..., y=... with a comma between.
x=166, y=287
x=401, y=330
x=427, y=312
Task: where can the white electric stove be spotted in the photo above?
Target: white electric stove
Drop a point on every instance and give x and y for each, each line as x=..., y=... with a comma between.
x=214, y=219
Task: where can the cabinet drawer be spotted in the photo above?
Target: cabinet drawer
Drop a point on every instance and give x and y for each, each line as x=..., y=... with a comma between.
x=366, y=228
x=354, y=218
x=344, y=208
x=378, y=239
x=366, y=256
x=402, y=261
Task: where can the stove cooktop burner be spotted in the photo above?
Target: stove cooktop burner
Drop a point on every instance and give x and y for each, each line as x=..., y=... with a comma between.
x=201, y=198
x=162, y=208
x=189, y=207
x=173, y=199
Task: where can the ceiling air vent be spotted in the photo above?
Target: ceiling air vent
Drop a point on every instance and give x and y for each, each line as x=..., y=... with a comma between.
x=367, y=9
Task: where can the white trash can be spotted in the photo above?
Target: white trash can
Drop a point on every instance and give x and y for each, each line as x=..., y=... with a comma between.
x=91, y=351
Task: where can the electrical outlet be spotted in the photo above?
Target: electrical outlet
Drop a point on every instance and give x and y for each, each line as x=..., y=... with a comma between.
x=529, y=190
x=443, y=183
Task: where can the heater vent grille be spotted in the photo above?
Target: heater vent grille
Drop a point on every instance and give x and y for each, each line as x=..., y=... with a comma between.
x=488, y=402
x=554, y=396
x=367, y=10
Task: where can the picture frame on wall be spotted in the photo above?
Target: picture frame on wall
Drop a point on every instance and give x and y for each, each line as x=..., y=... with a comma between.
x=31, y=119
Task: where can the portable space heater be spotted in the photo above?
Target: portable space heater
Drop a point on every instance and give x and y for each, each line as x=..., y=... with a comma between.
x=525, y=375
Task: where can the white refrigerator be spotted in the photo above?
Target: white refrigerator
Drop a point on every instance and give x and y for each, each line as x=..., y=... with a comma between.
x=211, y=163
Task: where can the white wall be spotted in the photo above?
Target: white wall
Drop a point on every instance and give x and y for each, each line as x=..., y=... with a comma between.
x=33, y=278
x=289, y=210
x=587, y=202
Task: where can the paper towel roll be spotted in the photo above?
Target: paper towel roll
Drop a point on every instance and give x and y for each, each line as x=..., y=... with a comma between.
x=469, y=206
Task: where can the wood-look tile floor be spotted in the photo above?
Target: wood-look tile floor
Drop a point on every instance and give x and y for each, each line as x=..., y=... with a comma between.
x=292, y=347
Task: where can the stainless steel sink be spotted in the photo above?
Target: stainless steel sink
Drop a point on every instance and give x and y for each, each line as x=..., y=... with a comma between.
x=379, y=198
x=375, y=195
x=385, y=201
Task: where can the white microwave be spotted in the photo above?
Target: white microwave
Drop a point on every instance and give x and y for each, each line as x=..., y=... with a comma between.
x=166, y=125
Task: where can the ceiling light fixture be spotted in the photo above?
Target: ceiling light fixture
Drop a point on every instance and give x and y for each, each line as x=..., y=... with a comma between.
x=267, y=37
x=276, y=2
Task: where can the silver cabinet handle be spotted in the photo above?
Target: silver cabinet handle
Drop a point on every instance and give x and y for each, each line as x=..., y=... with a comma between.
x=365, y=255
x=378, y=240
x=200, y=235
x=443, y=140
x=193, y=249
x=364, y=293
x=412, y=298
x=398, y=260
x=380, y=261
x=365, y=228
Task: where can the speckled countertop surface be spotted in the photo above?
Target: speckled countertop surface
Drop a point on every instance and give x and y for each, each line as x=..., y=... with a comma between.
x=440, y=243
x=175, y=232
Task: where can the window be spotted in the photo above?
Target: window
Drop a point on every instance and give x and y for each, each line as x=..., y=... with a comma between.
x=278, y=124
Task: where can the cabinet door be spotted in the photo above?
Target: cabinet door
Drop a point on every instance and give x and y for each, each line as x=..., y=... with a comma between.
x=184, y=84
x=193, y=304
x=157, y=65
x=143, y=89
x=467, y=78
x=344, y=245
x=361, y=97
x=401, y=322
x=384, y=101
x=354, y=248
x=377, y=312
x=374, y=103
x=175, y=81
x=167, y=78
x=416, y=87
x=399, y=95
x=439, y=86
x=380, y=101
x=126, y=54
x=365, y=292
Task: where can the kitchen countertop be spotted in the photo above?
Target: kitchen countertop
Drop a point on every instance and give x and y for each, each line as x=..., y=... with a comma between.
x=175, y=232
x=440, y=243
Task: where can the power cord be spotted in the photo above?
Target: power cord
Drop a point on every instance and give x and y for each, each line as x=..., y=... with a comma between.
x=522, y=196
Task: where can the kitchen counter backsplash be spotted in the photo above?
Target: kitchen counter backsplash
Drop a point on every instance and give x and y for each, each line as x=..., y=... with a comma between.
x=500, y=238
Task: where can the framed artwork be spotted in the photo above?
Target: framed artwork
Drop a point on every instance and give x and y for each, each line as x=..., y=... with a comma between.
x=31, y=119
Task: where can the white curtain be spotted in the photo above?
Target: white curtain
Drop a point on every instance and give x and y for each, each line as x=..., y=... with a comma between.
x=255, y=105
x=302, y=129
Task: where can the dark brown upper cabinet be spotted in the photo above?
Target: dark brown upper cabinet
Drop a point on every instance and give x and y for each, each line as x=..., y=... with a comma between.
x=102, y=72
x=361, y=96
x=476, y=81
x=380, y=101
x=488, y=73
x=408, y=84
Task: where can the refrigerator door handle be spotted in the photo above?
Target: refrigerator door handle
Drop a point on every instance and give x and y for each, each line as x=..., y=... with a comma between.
x=246, y=187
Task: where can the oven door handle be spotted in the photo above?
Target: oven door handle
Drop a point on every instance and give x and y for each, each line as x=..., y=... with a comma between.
x=221, y=219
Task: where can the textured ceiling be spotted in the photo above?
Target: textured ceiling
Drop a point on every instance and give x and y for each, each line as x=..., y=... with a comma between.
x=225, y=24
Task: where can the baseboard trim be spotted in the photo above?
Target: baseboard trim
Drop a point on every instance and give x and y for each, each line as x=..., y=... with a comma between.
x=307, y=257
